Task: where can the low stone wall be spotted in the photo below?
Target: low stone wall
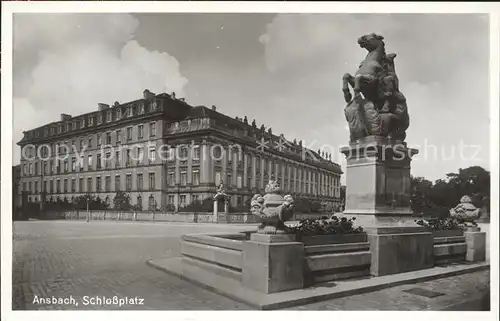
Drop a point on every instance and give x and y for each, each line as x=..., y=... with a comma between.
x=205, y=255
x=449, y=246
x=185, y=217
x=335, y=257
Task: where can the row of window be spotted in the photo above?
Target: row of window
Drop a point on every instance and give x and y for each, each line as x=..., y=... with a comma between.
x=63, y=185
x=82, y=122
x=79, y=164
x=70, y=146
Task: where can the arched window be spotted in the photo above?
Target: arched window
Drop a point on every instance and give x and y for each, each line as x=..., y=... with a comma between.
x=139, y=202
x=151, y=202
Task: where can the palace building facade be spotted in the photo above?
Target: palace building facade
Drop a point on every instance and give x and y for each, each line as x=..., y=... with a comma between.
x=164, y=153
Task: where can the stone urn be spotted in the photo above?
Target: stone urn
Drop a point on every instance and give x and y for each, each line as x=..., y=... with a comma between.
x=465, y=210
x=273, y=209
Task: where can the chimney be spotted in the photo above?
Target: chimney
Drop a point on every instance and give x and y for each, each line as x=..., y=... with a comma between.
x=214, y=108
x=65, y=117
x=147, y=94
x=102, y=106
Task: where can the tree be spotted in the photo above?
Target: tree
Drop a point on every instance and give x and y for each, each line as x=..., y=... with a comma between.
x=437, y=199
x=121, y=201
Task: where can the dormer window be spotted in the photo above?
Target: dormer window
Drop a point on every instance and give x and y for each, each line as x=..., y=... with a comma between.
x=109, y=117
x=52, y=130
x=82, y=123
x=45, y=132
x=118, y=113
x=153, y=105
x=141, y=109
x=129, y=111
x=37, y=134
x=73, y=124
x=61, y=129
x=99, y=119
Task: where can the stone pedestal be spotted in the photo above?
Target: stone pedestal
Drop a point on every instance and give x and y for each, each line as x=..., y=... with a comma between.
x=476, y=245
x=273, y=263
x=378, y=187
x=378, y=195
x=400, y=249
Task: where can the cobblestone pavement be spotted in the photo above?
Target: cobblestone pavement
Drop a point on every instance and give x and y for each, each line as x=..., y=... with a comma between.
x=107, y=259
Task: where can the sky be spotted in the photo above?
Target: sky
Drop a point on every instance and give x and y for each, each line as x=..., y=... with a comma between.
x=283, y=70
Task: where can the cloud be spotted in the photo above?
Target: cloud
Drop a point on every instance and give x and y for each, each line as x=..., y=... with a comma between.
x=67, y=63
x=442, y=63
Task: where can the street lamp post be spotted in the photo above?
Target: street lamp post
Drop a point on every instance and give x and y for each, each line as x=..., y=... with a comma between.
x=88, y=214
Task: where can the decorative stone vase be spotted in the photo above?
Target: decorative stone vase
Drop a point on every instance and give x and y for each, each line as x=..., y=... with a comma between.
x=466, y=210
x=273, y=209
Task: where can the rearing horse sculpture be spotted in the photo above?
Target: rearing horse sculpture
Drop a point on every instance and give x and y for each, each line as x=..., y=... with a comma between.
x=367, y=77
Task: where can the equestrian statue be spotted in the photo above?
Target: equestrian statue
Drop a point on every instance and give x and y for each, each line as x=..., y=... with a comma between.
x=378, y=107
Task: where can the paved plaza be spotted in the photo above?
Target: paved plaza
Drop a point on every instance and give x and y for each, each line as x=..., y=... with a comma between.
x=91, y=262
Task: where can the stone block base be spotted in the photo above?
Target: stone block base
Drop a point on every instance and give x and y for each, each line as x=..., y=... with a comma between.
x=400, y=249
x=476, y=246
x=272, y=264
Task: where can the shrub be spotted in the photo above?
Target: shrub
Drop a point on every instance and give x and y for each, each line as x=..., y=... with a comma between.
x=437, y=224
x=323, y=226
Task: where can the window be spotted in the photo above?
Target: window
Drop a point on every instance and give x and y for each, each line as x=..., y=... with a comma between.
x=45, y=186
x=195, y=198
x=170, y=199
x=239, y=183
x=99, y=140
x=129, y=112
x=196, y=153
x=217, y=177
x=58, y=167
x=98, y=184
x=229, y=180
x=99, y=119
x=65, y=165
x=107, y=183
x=36, y=168
x=118, y=113
x=152, y=181
x=58, y=186
x=90, y=142
x=91, y=121
x=257, y=182
x=152, y=129
x=73, y=185
x=73, y=125
x=217, y=151
x=30, y=187
x=73, y=164
x=98, y=161
x=183, y=153
x=152, y=106
x=80, y=185
x=139, y=202
x=183, y=178
x=129, y=133
x=36, y=187
x=171, y=179
x=141, y=109
x=128, y=161
x=249, y=182
x=117, y=159
x=140, y=155
x=128, y=182
x=140, y=182
x=140, y=131
x=108, y=138
x=107, y=161
x=109, y=116
x=89, y=184
x=117, y=183
x=182, y=199
x=89, y=163
x=196, y=177
x=65, y=187
x=239, y=201
x=151, y=203
x=118, y=136
x=152, y=154
x=81, y=144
